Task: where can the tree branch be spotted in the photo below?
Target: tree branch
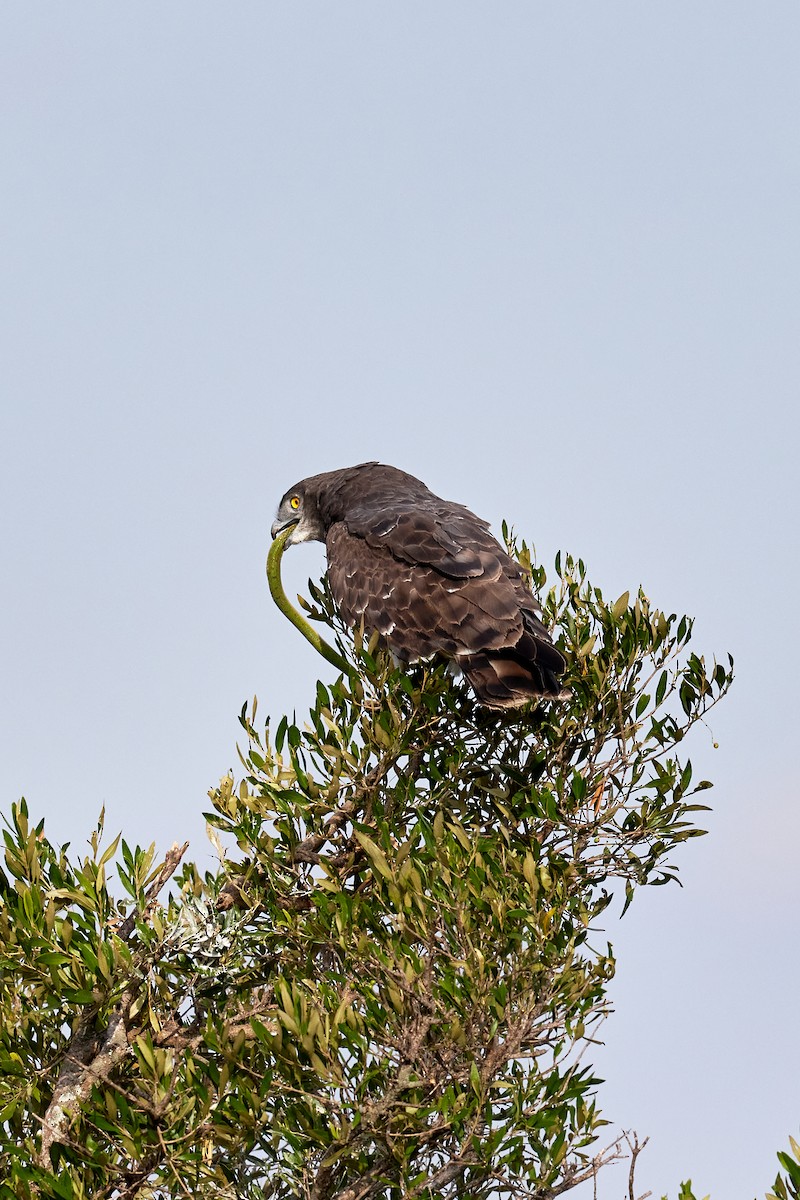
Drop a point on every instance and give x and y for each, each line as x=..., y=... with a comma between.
x=88, y=1060
x=91, y=1056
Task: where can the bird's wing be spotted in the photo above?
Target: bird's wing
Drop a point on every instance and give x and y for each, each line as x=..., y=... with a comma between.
x=447, y=537
x=418, y=609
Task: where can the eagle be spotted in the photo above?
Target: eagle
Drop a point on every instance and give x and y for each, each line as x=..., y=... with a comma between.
x=427, y=576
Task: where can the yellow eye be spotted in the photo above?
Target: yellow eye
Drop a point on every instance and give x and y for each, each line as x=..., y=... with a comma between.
x=294, y=502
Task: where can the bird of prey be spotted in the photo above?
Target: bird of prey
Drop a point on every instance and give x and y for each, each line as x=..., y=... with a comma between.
x=427, y=576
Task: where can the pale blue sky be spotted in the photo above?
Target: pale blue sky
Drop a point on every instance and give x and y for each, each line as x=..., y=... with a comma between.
x=544, y=256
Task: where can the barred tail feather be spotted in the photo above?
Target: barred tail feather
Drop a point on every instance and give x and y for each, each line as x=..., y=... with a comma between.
x=500, y=679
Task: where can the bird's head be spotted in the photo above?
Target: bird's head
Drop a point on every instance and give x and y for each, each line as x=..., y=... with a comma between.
x=298, y=508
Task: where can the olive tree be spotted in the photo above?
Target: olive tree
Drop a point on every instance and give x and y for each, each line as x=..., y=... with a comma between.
x=389, y=985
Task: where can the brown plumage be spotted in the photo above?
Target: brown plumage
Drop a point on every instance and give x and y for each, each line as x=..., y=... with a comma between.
x=428, y=577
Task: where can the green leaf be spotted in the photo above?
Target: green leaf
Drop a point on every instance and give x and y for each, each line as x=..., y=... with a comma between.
x=375, y=854
x=620, y=606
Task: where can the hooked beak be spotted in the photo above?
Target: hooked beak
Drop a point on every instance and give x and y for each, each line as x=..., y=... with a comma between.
x=279, y=526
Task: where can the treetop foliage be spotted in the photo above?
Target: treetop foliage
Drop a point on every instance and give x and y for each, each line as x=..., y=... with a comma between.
x=389, y=985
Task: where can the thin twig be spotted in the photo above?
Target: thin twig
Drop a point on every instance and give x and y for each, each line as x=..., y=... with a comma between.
x=636, y=1149
x=168, y=868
